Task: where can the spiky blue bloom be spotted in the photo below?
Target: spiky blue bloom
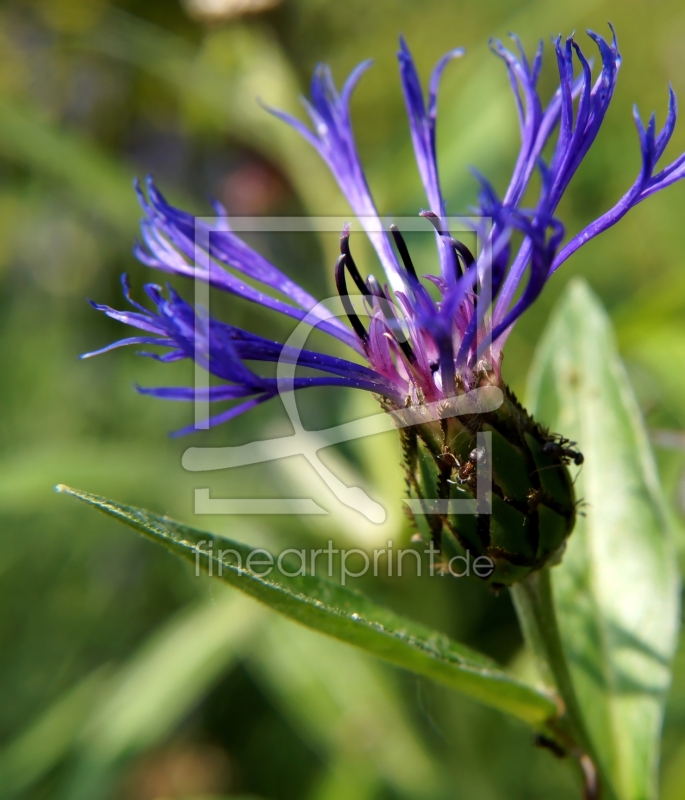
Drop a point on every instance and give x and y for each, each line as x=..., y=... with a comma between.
x=417, y=349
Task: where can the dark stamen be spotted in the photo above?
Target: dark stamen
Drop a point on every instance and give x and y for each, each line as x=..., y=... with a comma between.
x=349, y=261
x=341, y=285
x=434, y=220
x=461, y=251
x=391, y=319
x=403, y=251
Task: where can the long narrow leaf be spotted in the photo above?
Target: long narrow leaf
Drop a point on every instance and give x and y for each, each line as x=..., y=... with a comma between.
x=344, y=614
x=617, y=589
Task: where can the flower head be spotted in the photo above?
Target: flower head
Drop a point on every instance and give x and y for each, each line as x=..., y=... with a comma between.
x=417, y=348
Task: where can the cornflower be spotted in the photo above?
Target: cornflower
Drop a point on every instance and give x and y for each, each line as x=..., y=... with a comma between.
x=417, y=349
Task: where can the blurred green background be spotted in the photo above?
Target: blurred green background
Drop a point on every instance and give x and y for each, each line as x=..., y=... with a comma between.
x=121, y=674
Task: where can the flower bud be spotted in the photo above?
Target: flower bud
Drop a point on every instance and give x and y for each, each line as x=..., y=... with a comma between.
x=527, y=506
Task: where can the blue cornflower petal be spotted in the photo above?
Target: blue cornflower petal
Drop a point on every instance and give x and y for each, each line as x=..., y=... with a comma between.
x=170, y=245
x=334, y=141
x=417, y=348
x=156, y=340
x=422, y=123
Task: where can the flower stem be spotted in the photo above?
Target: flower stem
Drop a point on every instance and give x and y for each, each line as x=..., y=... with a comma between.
x=534, y=602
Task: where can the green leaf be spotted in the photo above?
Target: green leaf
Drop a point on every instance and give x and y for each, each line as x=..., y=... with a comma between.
x=617, y=589
x=29, y=757
x=347, y=780
x=343, y=614
x=150, y=695
x=165, y=679
x=346, y=706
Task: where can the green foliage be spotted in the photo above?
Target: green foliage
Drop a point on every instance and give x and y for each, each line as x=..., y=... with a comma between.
x=93, y=94
x=617, y=589
x=578, y=386
x=342, y=613
x=347, y=708
x=114, y=715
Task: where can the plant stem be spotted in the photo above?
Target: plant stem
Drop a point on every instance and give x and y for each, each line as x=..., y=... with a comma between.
x=534, y=602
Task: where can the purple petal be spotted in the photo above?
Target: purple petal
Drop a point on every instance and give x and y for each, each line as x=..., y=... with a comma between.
x=422, y=122
x=333, y=139
x=190, y=394
x=225, y=416
x=131, y=340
